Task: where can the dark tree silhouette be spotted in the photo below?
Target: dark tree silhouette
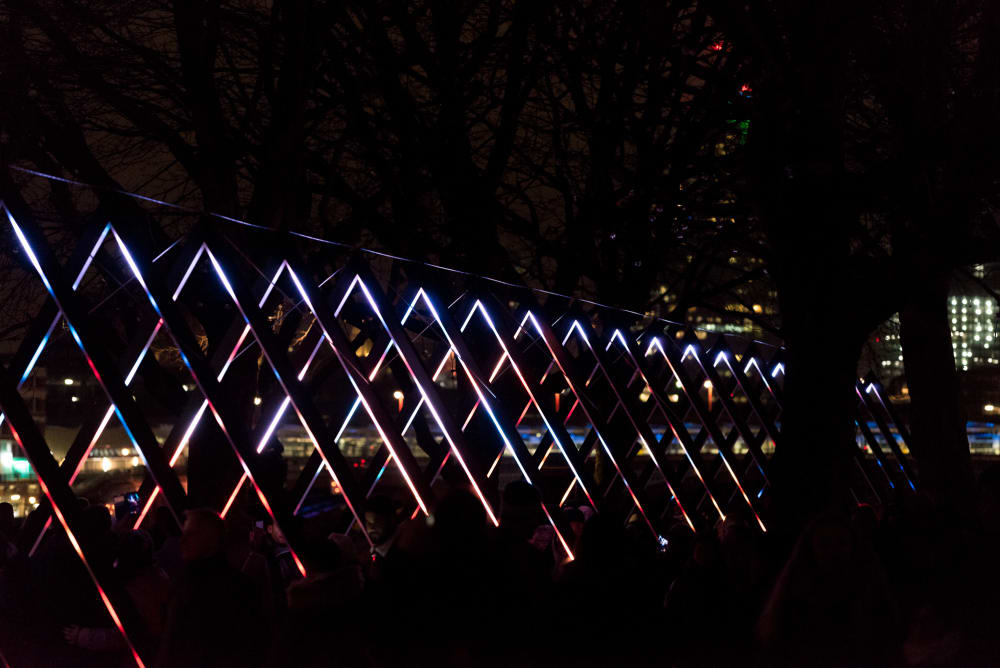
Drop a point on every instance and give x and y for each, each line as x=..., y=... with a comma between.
x=863, y=167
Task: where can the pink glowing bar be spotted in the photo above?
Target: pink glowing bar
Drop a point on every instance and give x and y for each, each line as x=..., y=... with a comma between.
x=204, y=405
x=215, y=413
x=531, y=395
x=79, y=551
x=600, y=437
x=55, y=508
x=723, y=357
x=111, y=410
x=347, y=419
x=694, y=467
x=76, y=472
x=357, y=401
x=229, y=288
x=481, y=399
x=357, y=389
x=76, y=337
x=656, y=342
x=55, y=320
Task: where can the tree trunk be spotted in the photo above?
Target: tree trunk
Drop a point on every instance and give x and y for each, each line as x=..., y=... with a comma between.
x=940, y=444
x=810, y=469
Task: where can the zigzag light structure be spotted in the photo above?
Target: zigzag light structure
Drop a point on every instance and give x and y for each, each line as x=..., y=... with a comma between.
x=507, y=360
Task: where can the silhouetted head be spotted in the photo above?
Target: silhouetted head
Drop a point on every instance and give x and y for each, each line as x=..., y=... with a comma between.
x=864, y=521
x=989, y=497
x=321, y=556
x=831, y=544
x=135, y=552
x=95, y=521
x=706, y=549
x=203, y=534
x=380, y=519
x=459, y=518
x=6, y=519
x=520, y=511
x=602, y=542
x=164, y=522
x=574, y=519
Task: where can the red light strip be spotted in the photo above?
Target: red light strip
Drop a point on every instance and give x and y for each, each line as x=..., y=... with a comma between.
x=425, y=397
x=187, y=362
x=83, y=559
x=204, y=405
x=282, y=381
x=600, y=437
x=656, y=342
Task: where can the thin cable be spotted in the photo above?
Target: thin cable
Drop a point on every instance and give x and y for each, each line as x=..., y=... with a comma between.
x=338, y=244
x=127, y=282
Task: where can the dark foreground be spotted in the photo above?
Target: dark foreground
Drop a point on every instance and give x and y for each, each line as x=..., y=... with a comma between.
x=899, y=585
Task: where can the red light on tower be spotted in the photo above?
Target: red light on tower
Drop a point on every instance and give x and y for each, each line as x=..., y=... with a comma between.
x=717, y=46
x=745, y=88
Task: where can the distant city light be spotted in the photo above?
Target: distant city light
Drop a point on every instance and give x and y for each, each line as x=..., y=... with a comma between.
x=15, y=497
x=67, y=381
x=32, y=500
x=989, y=408
x=125, y=452
x=257, y=401
x=135, y=461
x=74, y=399
x=397, y=395
x=105, y=464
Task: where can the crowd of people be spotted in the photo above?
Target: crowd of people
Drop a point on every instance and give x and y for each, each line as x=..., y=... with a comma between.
x=902, y=584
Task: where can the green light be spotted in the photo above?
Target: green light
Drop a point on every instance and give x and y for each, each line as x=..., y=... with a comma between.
x=21, y=467
x=742, y=130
